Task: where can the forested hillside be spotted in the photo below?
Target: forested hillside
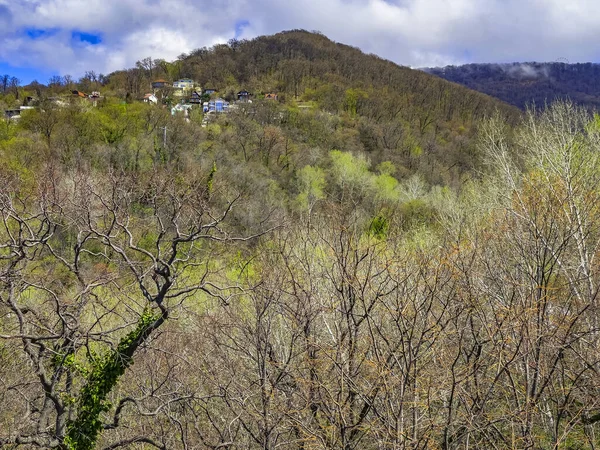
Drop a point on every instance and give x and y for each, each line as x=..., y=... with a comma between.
x=378, y=259
x=525, y=84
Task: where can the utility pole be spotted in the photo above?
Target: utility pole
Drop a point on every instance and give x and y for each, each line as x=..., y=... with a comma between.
x=164, y=136
x=161, y=152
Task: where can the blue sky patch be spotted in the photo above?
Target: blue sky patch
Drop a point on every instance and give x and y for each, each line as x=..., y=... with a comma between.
x=467, y=55
x=40, y=33
x=88, y=38
x=26, y=74
x=239, y=27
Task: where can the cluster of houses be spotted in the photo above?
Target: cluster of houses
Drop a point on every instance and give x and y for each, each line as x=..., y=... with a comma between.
x=32, y=103
x=187, y=93
x=190, y=95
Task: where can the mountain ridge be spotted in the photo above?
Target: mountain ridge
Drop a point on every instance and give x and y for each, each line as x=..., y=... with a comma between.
x=529, y=83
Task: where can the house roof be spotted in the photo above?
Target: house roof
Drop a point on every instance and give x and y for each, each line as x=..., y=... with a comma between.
x=148, y=95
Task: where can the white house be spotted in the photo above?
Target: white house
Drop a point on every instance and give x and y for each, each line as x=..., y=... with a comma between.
x=150, y=98
x=180, y=107
x=184, y=83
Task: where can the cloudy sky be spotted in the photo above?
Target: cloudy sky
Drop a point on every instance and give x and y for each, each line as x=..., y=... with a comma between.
x=39, y=38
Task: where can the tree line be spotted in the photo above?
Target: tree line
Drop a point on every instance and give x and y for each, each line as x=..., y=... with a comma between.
x=155, y=307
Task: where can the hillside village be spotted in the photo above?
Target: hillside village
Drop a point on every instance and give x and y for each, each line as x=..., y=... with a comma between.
x=180, y=96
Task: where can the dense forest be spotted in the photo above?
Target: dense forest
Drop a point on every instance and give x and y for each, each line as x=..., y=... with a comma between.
x=379, y=259
x=527, y=84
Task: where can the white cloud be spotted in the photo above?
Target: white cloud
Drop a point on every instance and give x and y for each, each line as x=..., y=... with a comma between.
x=409, y=32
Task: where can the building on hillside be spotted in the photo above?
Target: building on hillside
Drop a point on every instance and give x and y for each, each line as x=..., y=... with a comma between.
x=180, y=107
x=221, y=105
x=27, y=101
x=14, y=113
x=58, y=101
x=184, y=83
x=159, y=84
x=150, y=98
x=195, y=98
x=208, y=91
x=271, y=96
x=92, y=98
x=217, y=105
x=244, y=96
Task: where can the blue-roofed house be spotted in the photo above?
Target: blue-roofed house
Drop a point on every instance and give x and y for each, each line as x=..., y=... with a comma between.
x=159, y=84
x=218, y=105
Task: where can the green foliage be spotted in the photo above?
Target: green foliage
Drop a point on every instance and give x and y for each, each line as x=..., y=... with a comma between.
x=416, y=151
x=386, y=188
x=353, y=96
x=416, y=213
x=83, y=432
x=379, y=226
x=209, y=183
x=386, y=168
x=312, y=184
x=349, y=170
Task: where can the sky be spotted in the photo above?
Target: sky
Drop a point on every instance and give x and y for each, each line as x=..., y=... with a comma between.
x=41, y=38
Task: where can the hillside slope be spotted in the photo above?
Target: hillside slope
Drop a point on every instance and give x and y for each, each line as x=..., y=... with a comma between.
x=418, y=121
x=522, y=84
x=309, y=66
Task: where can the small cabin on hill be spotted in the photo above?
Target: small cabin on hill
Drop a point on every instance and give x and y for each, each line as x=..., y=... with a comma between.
x=12, y=113
x=150, y=98
x=195, y=98
x=243, y=96
x=271, y=96
x=15, y=113
x=208, y=91
x=159, y=84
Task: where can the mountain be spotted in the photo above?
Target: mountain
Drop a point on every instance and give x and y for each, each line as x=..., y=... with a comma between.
x=523, y=84
x=416, y=120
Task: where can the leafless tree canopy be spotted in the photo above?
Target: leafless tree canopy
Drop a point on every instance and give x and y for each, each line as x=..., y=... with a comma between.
x=134, y=313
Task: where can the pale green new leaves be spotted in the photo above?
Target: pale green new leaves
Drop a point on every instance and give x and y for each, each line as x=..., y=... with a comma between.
x=312, y=184
x=352, y=173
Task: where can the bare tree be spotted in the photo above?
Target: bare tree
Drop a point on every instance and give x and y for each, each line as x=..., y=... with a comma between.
x=91, y=267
